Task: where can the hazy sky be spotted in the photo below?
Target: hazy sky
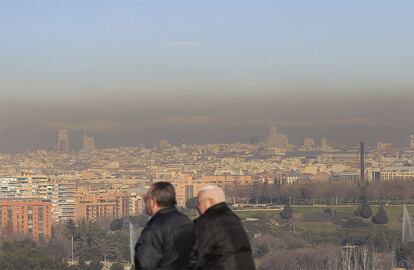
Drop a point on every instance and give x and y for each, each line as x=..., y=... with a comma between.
x=205, y=71
x=80, y=47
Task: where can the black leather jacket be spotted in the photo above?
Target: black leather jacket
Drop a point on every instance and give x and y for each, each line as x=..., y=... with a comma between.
x=166, y=242
x=222, y=242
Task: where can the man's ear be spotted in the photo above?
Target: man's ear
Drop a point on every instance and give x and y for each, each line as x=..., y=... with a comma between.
x=153, y=202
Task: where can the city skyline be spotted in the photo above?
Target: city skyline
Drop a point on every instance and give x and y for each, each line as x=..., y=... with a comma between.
x=345, y=118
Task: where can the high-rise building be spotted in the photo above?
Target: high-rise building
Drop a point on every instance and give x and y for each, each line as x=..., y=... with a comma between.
x=31, y=217
x=88, y=144
x=412, y=142
x=62, y=195
x=325, y=145
x=63, y=141
x=388, y=150
x=136, y=204
x=25, y=186
x=308, y=144
x=277, y=140
x=8, y=187
x=39, y=186
x=100, y=206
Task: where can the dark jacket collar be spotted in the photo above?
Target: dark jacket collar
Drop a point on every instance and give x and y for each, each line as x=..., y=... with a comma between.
x=164, y=211
x=217, y=207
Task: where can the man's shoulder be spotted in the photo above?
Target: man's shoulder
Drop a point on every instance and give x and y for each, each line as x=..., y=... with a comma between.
x=172, y=216
x=218, y=214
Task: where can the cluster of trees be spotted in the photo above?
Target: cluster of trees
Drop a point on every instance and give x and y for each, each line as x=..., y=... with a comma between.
x=365, y=212
x=27, y=254
x=405, y=256
x=341, y=192
x=359, y=245
x=93, y=243
x=291, y=251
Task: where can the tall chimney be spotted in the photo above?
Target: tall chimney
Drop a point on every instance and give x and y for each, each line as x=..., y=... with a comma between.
x=362, y=159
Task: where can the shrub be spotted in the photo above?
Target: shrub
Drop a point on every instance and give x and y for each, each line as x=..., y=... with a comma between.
x=117, y=224
x=287, y=212
x=355, y=223
x=364, y=211
x=381, y=217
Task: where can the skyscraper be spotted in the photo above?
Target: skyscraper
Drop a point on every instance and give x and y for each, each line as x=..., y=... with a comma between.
x=276, y=139
x=61, y=193
x=324, y=143
x=88, y=143
x=308, y=144
x=412, y=142
x=63, y=141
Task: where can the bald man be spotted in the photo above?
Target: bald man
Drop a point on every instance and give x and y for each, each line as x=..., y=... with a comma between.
x=222, y=242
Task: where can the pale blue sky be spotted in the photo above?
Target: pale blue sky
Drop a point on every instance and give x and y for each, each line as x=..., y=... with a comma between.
x=235, y=47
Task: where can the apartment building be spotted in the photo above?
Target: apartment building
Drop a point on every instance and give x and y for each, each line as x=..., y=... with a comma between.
x=28, y=217
x=100, y=206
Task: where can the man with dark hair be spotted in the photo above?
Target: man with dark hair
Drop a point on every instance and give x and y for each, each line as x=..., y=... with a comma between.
x=168, y=237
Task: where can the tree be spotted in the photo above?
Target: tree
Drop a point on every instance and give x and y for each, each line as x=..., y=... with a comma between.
x=381, y=217
x=26, y=254
x=380, y=241
x=306, y=194
x=364, y=211
x=287, y=212
x=402, y=255
x=117, y=224
x=117, y=266
x=329, y=212
x=70, y=229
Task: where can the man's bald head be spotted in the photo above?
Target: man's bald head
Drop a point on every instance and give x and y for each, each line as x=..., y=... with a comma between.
x=208, y=197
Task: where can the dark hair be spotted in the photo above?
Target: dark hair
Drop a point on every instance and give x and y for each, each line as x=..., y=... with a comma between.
x=164, y=194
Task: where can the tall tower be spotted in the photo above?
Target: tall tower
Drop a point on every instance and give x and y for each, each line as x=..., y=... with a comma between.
x=362, y=159
x=412, y=142
x=308, y=144
x=276, y=139
x=324, y=143
x=88, y=143
x=63, y=141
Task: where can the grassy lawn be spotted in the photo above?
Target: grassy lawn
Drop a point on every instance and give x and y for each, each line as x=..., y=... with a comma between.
x=260, y=214
x=316, y=226
x=394, y=214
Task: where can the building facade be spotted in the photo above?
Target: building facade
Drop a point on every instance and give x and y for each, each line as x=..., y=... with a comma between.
x=32, y=218
x=88, y=144
x=62, y=195
x=63, y=141
x=100, y=206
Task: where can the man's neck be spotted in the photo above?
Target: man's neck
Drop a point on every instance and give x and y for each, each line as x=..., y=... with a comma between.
x=158, y=209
